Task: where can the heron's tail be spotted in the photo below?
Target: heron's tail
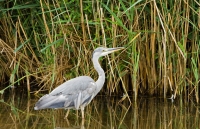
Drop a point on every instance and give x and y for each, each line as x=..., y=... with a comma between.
x=49, y=101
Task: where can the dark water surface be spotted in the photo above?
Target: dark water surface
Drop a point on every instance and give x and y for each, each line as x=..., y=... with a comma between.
x=16, y=112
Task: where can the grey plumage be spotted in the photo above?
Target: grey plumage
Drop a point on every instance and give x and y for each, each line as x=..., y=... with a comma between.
x=77, y=92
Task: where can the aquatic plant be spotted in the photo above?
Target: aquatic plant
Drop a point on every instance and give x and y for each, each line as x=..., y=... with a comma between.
x=44, y=43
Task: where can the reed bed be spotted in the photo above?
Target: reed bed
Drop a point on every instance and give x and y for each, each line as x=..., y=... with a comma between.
x=43, y=43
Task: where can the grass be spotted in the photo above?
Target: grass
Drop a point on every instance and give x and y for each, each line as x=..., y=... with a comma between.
x=44, y=43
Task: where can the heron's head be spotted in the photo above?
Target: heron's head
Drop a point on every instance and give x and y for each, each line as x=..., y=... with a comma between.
x=102, y=51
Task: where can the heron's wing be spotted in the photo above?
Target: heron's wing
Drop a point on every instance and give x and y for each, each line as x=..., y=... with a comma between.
x=73, y=86
x=81, y=98
x=71, y=94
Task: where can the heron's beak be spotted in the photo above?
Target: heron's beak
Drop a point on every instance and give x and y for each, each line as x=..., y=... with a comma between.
x=111, y=50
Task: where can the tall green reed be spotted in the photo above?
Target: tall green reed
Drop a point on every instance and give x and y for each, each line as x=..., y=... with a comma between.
x=51, y=42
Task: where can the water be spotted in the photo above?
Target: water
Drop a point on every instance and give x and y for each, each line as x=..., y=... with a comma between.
x=16, y=112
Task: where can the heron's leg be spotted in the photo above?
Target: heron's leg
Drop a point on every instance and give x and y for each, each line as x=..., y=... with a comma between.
x=67, y=114
x=82, y=124
x=82, y=112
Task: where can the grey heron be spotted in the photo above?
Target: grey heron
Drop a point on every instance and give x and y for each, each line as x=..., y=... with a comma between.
x=78, y=92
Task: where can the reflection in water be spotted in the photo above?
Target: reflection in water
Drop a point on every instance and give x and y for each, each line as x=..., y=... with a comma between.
x=103, y=113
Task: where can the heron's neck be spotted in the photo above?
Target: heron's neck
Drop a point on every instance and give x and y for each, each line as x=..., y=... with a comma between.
x=101, y=79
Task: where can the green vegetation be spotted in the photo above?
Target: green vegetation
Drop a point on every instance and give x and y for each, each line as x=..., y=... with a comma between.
x=44, y=43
